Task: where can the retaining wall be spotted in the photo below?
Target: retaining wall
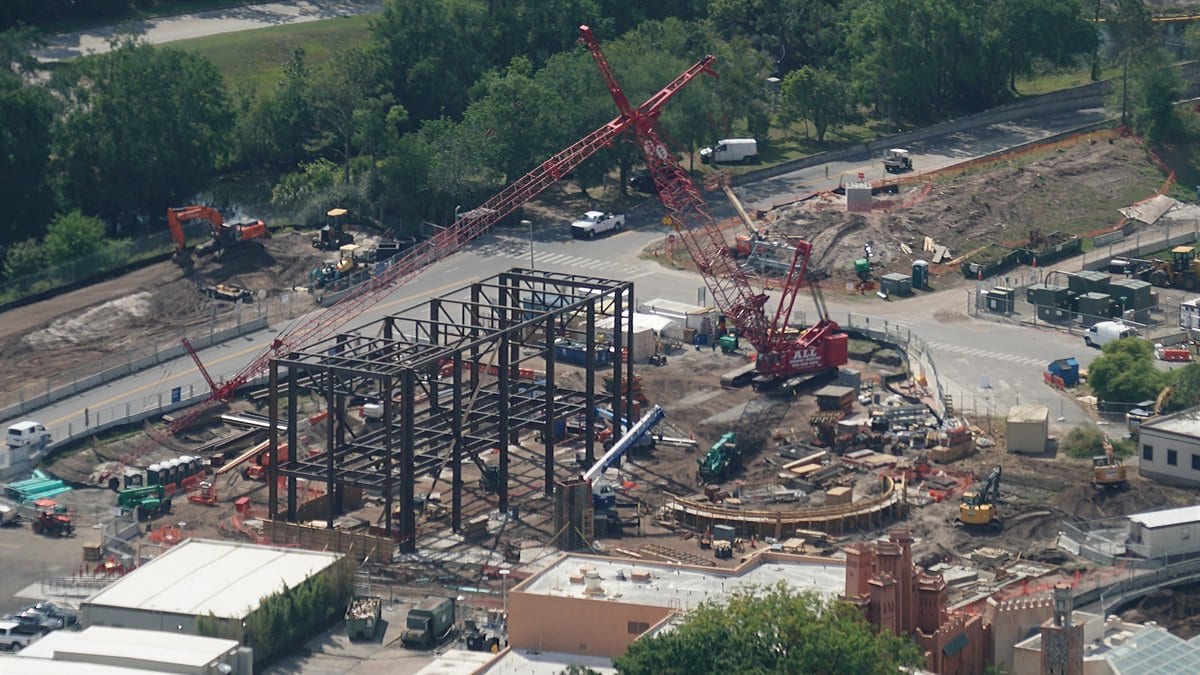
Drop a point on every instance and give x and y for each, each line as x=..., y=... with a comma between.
x=358, y=546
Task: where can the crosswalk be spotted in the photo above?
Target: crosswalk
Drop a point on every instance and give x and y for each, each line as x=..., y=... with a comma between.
x=579, y=264
x=985, y=354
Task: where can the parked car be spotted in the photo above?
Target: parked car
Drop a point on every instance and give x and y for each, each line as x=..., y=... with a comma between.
x=642, y=181
x=32, y=616
x=64, y=614
x=11, y=638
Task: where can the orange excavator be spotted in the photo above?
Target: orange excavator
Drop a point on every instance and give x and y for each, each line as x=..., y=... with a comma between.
x=223, y=235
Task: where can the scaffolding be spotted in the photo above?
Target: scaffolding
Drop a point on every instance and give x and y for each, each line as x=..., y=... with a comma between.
x=456, y=376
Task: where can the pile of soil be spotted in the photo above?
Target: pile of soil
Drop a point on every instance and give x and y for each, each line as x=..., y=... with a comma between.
x=1073, y=190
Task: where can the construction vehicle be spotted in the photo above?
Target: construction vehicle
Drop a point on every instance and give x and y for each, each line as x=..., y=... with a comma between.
x=362, y=617
x=330, y=272
x=229, y=292
x=669, y=177
x=782, y=355
x=1108, y=471
x=1181, y=271
x=333, y=234
x=428, y=623
x=489, y=478
x=53, y=524
x=978, y=506
x=224, y=235
x=146, y=501
x=1148, y=409
x=896, y=160
x=721, y=457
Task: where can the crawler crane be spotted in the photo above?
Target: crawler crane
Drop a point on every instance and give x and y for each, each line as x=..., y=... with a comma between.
x=781, y=354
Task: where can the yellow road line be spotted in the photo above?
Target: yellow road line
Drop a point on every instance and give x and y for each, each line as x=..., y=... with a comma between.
x=235, y=355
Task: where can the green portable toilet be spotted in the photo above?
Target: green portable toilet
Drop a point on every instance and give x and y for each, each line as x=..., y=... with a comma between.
x=862, y=268
x=920, y=274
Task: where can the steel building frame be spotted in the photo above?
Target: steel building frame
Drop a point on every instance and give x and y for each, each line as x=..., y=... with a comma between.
x=455, y=378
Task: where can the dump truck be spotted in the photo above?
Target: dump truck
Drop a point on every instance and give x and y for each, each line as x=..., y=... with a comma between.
x=428, y=623
x=362, y=616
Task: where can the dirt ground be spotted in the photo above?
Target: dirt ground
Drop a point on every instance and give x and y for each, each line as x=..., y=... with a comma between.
x=80, y=331
x=1073, y=190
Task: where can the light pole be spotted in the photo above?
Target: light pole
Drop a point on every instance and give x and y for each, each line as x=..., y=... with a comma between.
x=504, y=576
x=529, y=224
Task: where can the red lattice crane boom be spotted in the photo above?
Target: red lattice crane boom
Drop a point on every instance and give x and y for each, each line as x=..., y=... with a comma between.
x=446, y=242
x=779, y=354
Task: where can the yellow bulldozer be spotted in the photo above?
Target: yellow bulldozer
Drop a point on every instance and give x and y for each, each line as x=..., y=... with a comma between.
x=1181, y=271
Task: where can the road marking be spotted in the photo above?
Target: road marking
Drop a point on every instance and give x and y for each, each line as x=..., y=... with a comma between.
x=982, y=353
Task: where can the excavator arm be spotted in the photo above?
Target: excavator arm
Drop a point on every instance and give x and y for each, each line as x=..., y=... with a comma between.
x=177, y=216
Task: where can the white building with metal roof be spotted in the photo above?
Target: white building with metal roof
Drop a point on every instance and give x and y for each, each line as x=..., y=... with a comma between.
x=143, y=650
x=1165, y=533
x=1169, y=448
x=202, y=577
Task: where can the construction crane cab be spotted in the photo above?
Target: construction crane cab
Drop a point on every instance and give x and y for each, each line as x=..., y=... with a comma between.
x=333, y=234
x=978, y=506
x=1107, y=470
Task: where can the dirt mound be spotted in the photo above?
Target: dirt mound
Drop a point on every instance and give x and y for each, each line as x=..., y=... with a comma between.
x=1085, y=501
x=1072, y=190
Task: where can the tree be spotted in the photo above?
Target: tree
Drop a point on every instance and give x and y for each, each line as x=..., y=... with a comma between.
x=1153, y=88
x=772, y=630
x=1187, y=386
x=344, y=92
x=72, y=236
x=818, y=96
x=1125, y=372
x=142, y=130
x=1054, y=31
x=275, y=128
x=23, y=258
x=26, y=116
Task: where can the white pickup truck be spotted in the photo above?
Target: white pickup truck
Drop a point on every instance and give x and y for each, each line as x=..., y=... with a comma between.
x=597, y=222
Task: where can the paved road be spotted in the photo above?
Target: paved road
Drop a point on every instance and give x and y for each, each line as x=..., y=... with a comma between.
x=67, y=46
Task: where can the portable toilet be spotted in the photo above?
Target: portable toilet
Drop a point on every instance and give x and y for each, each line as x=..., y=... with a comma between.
x=1067, y=369
x=185, y=467
x=172, y=471
x=154, y=475
x=920, y=274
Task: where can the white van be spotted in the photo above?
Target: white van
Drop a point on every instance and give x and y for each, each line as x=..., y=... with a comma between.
x=26, y=433
x=731, y=150
x=1104, y=332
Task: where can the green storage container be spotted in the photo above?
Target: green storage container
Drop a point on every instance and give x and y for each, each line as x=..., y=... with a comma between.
x=896, y=284
x=1089, y=281
x=1094, y=307
x=1133, y=293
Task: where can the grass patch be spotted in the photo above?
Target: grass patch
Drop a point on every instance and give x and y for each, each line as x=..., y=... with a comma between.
x=256, y=57
x=1044, y=83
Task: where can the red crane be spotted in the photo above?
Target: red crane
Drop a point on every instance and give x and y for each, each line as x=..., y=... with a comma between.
x=780, y=353
x=443, y=244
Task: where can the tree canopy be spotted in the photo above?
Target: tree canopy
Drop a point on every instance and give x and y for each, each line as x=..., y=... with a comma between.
x=772, y=630
x=141, y=129
x=1125, y=372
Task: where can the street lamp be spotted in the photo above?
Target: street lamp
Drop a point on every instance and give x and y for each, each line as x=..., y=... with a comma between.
x=504, y=576
x=529, y=224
